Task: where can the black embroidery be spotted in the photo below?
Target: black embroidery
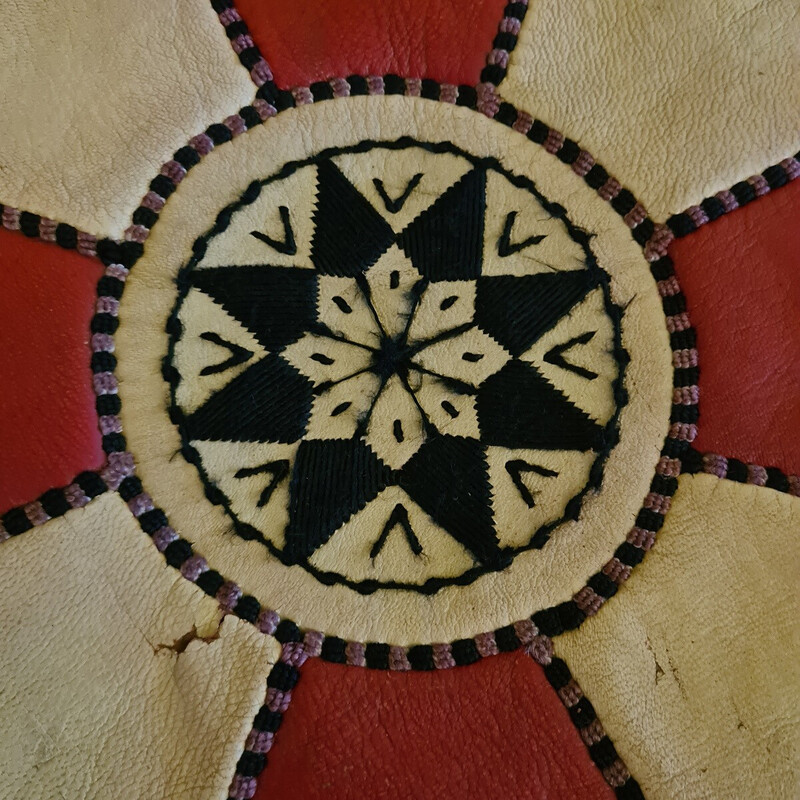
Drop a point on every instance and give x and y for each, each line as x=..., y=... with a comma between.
x=399, y=516
x=288, y=246
x=349, y=234
x=238, y=354
x=517, y=467
x=284, y=397
x=505, y=247
x=393, y=206
x=445, y=242
x=555, y=355
x=277, y=469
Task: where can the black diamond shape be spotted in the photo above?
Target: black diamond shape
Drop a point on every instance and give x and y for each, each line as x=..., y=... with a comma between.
x=349, y=234
x=268, y=402
x=332, y=479
x=277, y=304
x=445, y=242
x=518, y=407
x=516, y=311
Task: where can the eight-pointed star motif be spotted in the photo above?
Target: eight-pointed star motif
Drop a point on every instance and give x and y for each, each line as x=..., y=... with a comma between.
x=423, y=356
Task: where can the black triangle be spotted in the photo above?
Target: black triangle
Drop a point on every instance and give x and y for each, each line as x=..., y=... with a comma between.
x=268, y=402
x=349, y=234
x=516, y=311
x=448, y=478
x=445, y=242
x=277, y=304
x=518, y=407
x=332, y=479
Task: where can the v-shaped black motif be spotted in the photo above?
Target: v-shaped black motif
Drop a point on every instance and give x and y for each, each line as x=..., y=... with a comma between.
x=504, y=245
x=278, y=469
x=288, y=246
x=393, y=206
x=399, y=516
x=555, y=355
x=515, y=469
x=238, y=354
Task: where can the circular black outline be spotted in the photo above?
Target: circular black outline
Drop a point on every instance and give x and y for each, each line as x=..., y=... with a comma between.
x=541, y=536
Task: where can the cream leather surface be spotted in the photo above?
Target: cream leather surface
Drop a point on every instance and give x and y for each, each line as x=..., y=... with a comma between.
x=536, y=578
x=116, y=679
x=694, y=666
x=96, y=96
x=677, y=100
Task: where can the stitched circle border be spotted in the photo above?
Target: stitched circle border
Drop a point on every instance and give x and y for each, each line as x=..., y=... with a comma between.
x=540, y=536
x=654, y=239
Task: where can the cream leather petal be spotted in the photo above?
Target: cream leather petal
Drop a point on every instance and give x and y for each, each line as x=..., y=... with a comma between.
x=694, y=666
x=96, y=96
x=108, y=689
x=676, y=100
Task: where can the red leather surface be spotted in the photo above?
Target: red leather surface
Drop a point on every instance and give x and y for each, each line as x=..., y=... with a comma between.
x=48, y=426
x=313, y=40
x=491, y=730
x=741, y=278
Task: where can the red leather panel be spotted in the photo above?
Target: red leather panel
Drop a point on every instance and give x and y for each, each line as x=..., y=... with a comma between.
x=741, y=278
x=307, y=41
x=493, y=729
x=48, y=426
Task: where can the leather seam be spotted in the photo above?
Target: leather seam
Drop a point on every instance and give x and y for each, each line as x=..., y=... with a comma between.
x=654, y=238
x=245, y=48
x=732, y=469
x=739, y=195
x=85, y=487
x=49, y=230
x=584, y=719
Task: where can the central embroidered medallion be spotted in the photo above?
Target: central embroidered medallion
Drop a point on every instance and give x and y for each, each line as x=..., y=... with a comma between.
x=395, y=380
x=394, y=370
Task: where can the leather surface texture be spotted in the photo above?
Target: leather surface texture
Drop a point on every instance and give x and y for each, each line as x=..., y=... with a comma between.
x=96, y=96
x=115, y=673
x=693, y=667
x=493, y=729
x=48, y=426
x=310, y=41
x=677, y=100
x=536, y=578
x=742, y=286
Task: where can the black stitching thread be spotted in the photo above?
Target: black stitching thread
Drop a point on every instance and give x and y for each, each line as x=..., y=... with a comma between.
x=378, y=653
x=538, y=538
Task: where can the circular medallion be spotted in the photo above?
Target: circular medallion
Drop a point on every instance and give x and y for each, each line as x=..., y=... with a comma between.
x=399, y=377
x=380, y=387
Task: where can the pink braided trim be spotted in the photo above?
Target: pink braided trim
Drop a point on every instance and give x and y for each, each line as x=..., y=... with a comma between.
x=616, y=774
x=86, y=243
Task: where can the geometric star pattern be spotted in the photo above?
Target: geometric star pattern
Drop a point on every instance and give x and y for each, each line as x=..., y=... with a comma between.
x=407, y=343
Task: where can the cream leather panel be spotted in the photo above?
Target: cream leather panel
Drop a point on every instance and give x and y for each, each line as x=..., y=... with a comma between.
x=99, y=697
x=677, y=100
x=96, y=96
x=537, y=578
x=694, y=666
